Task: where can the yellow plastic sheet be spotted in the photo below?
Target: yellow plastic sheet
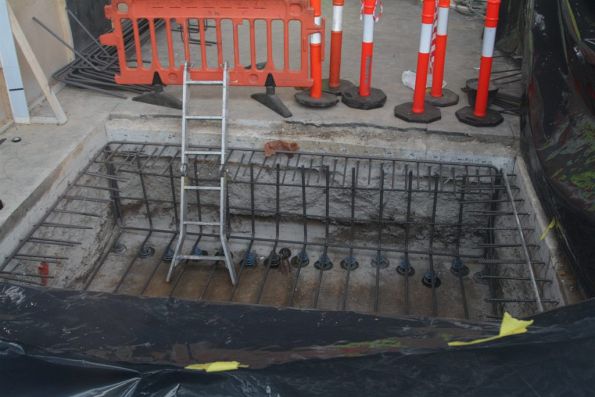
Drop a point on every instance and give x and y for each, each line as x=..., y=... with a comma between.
x=509, y=326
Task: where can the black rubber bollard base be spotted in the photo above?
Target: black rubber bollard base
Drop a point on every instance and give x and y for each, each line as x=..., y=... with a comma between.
x=353, y=99
x=430, y=114
x=326, y=100
x=274, y=103
x=492, y=118
x=343, y=85
x=448, y=98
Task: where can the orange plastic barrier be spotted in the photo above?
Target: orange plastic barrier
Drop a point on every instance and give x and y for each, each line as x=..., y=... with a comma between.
x=185, y=13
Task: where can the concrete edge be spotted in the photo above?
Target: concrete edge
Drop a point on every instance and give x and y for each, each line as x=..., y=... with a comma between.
x=549, y=247
x=22, y=220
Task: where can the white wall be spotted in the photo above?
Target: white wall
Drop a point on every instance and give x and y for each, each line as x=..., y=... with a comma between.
x=51, y=54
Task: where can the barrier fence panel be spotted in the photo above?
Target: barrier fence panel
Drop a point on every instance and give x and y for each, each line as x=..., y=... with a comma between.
x=188, y=19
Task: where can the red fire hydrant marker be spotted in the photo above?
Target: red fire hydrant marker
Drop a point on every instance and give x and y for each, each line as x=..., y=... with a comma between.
x=418, y=111
x=441, y=96
x=334, y=84
x=365, y=97
x=481, y=115
x=315, y=97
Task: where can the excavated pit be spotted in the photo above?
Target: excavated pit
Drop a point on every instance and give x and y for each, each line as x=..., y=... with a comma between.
x=115, y=227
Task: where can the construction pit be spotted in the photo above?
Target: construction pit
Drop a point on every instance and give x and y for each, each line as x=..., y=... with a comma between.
x=371, y=214
x=310, y=230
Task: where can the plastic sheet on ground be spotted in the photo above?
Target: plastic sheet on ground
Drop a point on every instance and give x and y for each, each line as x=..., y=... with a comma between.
x=67, y=343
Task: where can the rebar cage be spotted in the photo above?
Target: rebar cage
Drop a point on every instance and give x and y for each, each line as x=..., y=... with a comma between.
x=307, y=230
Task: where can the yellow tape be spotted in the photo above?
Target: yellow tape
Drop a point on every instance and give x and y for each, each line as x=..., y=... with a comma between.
x=218, y=366
x=509, y=326
x=548, y=229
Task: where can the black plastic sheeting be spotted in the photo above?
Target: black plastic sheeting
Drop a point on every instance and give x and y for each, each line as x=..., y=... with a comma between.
x=67, y=343
x=558, y=137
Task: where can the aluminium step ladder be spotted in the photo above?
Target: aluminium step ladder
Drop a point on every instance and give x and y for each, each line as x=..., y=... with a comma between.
x=178, y=257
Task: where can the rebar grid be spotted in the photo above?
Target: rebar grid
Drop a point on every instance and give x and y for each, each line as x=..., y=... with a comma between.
x=396, y=217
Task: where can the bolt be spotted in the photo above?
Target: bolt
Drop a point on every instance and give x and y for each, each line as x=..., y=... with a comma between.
x=273, y=260
x=197, y=251
x=250, y=259
x=146, y=251
x=458, y=268
x=119, y=248
x=349, y=263
x=405, y=268
x=301, y=259
x=380, y=261
x=285, y=255
x=323, y=263
x=168, y=255
x=431, y=279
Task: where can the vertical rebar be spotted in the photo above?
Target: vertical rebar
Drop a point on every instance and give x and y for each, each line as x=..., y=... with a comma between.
x=114, y=189
x=324, y=256
x=277, y=222
x=431, y=254
x=407, y=228
x=252, y=233
x=490, y=239
x=305, y=243
x=351, y=225
x=380, y=260
x=173, y=195
x=458, y=246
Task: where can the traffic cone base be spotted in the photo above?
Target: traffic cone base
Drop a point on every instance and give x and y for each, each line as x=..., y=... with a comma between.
x=270, y=98
x=405, y=112
x=326, y=100
x=448, y=98
x=343, y=85
x=491, y=119
x=352, y=98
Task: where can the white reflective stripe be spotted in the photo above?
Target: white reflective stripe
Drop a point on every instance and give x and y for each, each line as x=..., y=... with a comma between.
x=316, y=38
x=368, y=28
x=337, y=18
x=425, y=42
x=442, y=21
x=489, y=40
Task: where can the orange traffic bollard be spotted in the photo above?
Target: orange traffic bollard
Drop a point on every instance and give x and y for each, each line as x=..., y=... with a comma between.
x=365, y=97
x=418, y=111
x=334, y=84
x=315, y=97
x=481, y=115
x=440, y=96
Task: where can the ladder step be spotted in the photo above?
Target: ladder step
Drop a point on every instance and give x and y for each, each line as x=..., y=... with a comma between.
x=218, y=118
x=202, y=153
x=204, y=82
x=200, y=258
x=207, y=188
x=198, y=223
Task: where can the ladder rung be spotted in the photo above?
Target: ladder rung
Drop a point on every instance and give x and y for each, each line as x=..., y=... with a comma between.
x=200, y=258
x=202, y=153
x=208, y=188
x=204, y=82
x=203, y=118
x=197, y=223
